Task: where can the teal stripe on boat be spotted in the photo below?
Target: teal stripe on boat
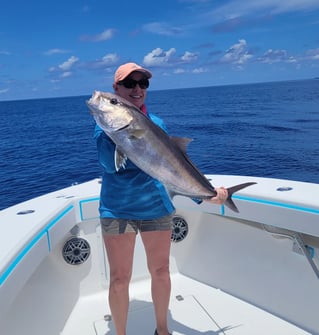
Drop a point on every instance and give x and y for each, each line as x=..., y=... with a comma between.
x=278, y=204
x=32, y=243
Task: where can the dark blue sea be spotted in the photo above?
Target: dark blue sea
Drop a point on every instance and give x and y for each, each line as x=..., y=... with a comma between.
x=267, y=130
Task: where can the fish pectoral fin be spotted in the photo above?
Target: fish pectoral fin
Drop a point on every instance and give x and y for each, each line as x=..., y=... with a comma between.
x=119, y=160
x=136, y=134
x=182, y=142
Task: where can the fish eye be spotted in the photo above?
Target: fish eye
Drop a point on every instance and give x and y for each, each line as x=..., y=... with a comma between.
x=113, y=101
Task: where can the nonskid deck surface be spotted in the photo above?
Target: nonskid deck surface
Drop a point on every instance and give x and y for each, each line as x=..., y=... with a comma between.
x=195, y=309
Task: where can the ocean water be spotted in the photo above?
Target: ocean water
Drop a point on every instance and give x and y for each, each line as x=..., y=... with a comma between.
x=266, y=130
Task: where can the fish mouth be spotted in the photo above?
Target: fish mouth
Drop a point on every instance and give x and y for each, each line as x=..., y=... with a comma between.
x=91, y=108
x=92, y=112
x=122, y=128
x=95, y=113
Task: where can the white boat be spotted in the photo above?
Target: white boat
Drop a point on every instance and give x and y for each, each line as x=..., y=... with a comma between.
x=252, y=272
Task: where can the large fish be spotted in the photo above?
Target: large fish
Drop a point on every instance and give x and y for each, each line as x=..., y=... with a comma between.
x=151, y=149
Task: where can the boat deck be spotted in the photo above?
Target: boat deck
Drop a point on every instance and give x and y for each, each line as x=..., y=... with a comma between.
x=267, y=255
x=195, y=309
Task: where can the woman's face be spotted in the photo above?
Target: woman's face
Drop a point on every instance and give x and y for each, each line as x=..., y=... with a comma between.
x=135, y=95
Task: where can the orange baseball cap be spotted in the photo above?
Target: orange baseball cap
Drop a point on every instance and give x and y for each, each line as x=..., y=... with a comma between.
x=126, y=69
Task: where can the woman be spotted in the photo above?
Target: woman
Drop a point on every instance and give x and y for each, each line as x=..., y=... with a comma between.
x=131, y=201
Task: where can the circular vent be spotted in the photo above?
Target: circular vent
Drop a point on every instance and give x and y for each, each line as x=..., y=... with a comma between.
x=179, y=229
x=76, y=251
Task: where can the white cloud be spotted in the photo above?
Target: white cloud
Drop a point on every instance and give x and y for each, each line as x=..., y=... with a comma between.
x=313, y=54
x=161, y=28
x=159, y=57
x=64, y=69
x=199, y=70
x=68, y=64
x=103, y=36
x=237, y=54
x=66, y=74
x=104, y=62
x=179, y=71
x=189, y=57
x=239, y=8
x=291, y=59
x=4, y=52
x=4, y=90
x=275, y=56
x=291, y=5
x=110, y=59
x=55, y=51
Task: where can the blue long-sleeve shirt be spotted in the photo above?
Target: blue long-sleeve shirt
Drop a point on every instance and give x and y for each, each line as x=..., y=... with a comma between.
x=129, y=193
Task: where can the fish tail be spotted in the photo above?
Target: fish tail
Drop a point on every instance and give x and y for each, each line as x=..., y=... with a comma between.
x=231, y=190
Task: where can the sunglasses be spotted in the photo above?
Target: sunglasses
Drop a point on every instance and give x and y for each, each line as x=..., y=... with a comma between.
x=131, y=83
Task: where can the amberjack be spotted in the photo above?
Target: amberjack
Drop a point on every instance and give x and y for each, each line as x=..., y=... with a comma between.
x=149, y=147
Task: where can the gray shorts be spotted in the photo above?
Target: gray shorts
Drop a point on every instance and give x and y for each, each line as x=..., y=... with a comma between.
x=114, y=226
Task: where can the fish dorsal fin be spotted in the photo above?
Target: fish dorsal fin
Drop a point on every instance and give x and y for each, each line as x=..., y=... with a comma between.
x=182, y=142
x=119, y=159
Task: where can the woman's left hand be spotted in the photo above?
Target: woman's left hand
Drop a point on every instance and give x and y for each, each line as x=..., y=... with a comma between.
x=220, y=198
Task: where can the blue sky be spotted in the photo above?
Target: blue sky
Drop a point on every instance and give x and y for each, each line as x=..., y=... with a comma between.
x=72, y=47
